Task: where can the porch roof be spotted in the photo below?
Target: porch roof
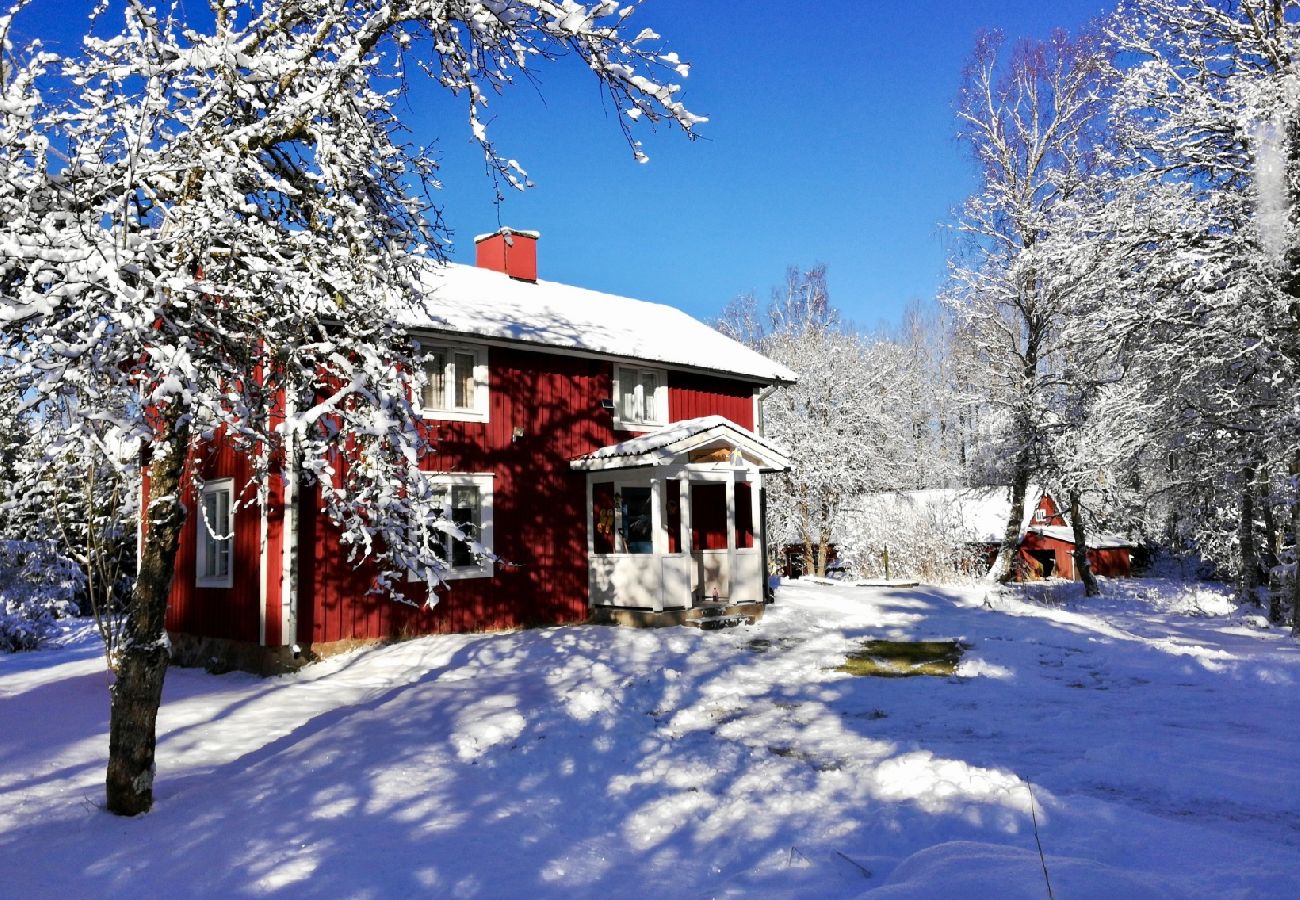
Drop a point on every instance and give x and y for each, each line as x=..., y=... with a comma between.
x=668, y=444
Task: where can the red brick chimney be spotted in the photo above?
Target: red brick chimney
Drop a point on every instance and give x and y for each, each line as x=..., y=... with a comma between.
x=510, y=251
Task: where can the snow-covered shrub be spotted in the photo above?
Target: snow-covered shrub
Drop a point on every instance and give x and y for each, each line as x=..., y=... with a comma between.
x=37, y=587
x=923, y=543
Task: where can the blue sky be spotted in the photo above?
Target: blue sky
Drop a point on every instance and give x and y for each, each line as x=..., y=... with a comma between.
x=829, y=140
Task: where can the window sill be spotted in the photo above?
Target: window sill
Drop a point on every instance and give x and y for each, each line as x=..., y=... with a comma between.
x=463, y=573
x=214, y=582
x=454, y=415
x=467, y=572
x=640, y=427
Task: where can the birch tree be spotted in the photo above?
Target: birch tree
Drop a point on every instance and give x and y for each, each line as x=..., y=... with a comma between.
x=834, y=422
x=1029, y=115
x=210, y=227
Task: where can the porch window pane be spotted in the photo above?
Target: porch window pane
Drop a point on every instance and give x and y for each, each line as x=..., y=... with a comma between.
x=744, y=515
x=673, y=515
x=637, y=528
x=602, y=518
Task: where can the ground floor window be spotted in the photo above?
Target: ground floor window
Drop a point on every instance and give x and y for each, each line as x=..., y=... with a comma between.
x=214, y=559
x=466, y=502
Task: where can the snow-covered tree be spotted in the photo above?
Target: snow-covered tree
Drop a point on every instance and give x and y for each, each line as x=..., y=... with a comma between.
x=930, y=400
x=1207, y=110
x=1030, y=116
x=834, y=422
x=211, y=224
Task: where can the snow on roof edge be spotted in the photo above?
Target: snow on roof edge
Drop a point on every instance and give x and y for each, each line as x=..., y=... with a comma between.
x=485, y=304
x=668, y=437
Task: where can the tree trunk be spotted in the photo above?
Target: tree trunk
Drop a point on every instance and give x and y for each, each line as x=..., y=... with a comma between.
x=1295, y=555
x=1004, y=569
x=137, y=690
x=1248, y=577
x=1271, y=553
x=1082, y=567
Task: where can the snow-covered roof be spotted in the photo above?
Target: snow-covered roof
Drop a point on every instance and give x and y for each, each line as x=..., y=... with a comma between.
x=1102, y=541
x=666, y=445
x=980, y=512
x=487, y=304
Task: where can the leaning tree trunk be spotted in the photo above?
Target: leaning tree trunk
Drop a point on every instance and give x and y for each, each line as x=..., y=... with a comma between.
x=1004, y=569
x=137, y=690
x=1082, y=565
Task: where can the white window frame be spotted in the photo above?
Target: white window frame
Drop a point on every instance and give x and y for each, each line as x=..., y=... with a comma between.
x=205, y=533
x=624, y=375
x=478, y=410
x=1040, y=514
x=483, y=482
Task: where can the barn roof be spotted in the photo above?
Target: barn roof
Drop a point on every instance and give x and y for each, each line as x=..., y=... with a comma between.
x=1098, y=541
x=981, y=513
x=487, y=304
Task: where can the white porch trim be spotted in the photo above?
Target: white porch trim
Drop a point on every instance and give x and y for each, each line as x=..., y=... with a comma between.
x=694, y=453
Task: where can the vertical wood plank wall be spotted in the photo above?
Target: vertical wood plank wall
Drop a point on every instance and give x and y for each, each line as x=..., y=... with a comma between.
x=539, y=515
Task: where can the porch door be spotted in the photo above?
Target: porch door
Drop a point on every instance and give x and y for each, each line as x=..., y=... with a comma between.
x=711, y=578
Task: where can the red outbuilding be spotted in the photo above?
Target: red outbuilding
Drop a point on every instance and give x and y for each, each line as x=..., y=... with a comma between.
x=978, y=518
x=607, y=451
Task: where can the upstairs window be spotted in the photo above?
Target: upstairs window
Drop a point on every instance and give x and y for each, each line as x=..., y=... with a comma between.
x=640, y=397
x=214, y=563
x=455, y=383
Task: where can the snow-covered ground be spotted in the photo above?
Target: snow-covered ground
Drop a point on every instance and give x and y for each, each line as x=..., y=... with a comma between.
x=1158, y=730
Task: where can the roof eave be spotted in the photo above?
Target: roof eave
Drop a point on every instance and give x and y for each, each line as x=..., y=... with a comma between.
x=580, y=353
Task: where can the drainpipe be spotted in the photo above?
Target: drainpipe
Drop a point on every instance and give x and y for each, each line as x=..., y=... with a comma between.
x=759, y=421
x=289, y=556
x=759, y=418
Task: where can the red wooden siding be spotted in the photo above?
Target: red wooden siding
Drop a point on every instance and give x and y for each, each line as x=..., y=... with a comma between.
x=539, y=515
x=1049, y=508
x=1112, y=562
x=231, y=612
x=691, y=396
x=1063, y=561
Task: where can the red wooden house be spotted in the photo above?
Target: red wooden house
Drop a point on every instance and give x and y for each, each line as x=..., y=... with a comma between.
x=608, y=451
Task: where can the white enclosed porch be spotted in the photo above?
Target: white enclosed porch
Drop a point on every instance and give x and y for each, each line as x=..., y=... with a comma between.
x=675, y=517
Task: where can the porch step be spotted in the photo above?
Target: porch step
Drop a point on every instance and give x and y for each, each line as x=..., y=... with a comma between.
x=706, y=618
x=717, y=623
x=716, y=617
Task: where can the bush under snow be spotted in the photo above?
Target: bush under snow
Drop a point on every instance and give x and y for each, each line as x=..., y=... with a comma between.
x=923, y=542
x=37, y=587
